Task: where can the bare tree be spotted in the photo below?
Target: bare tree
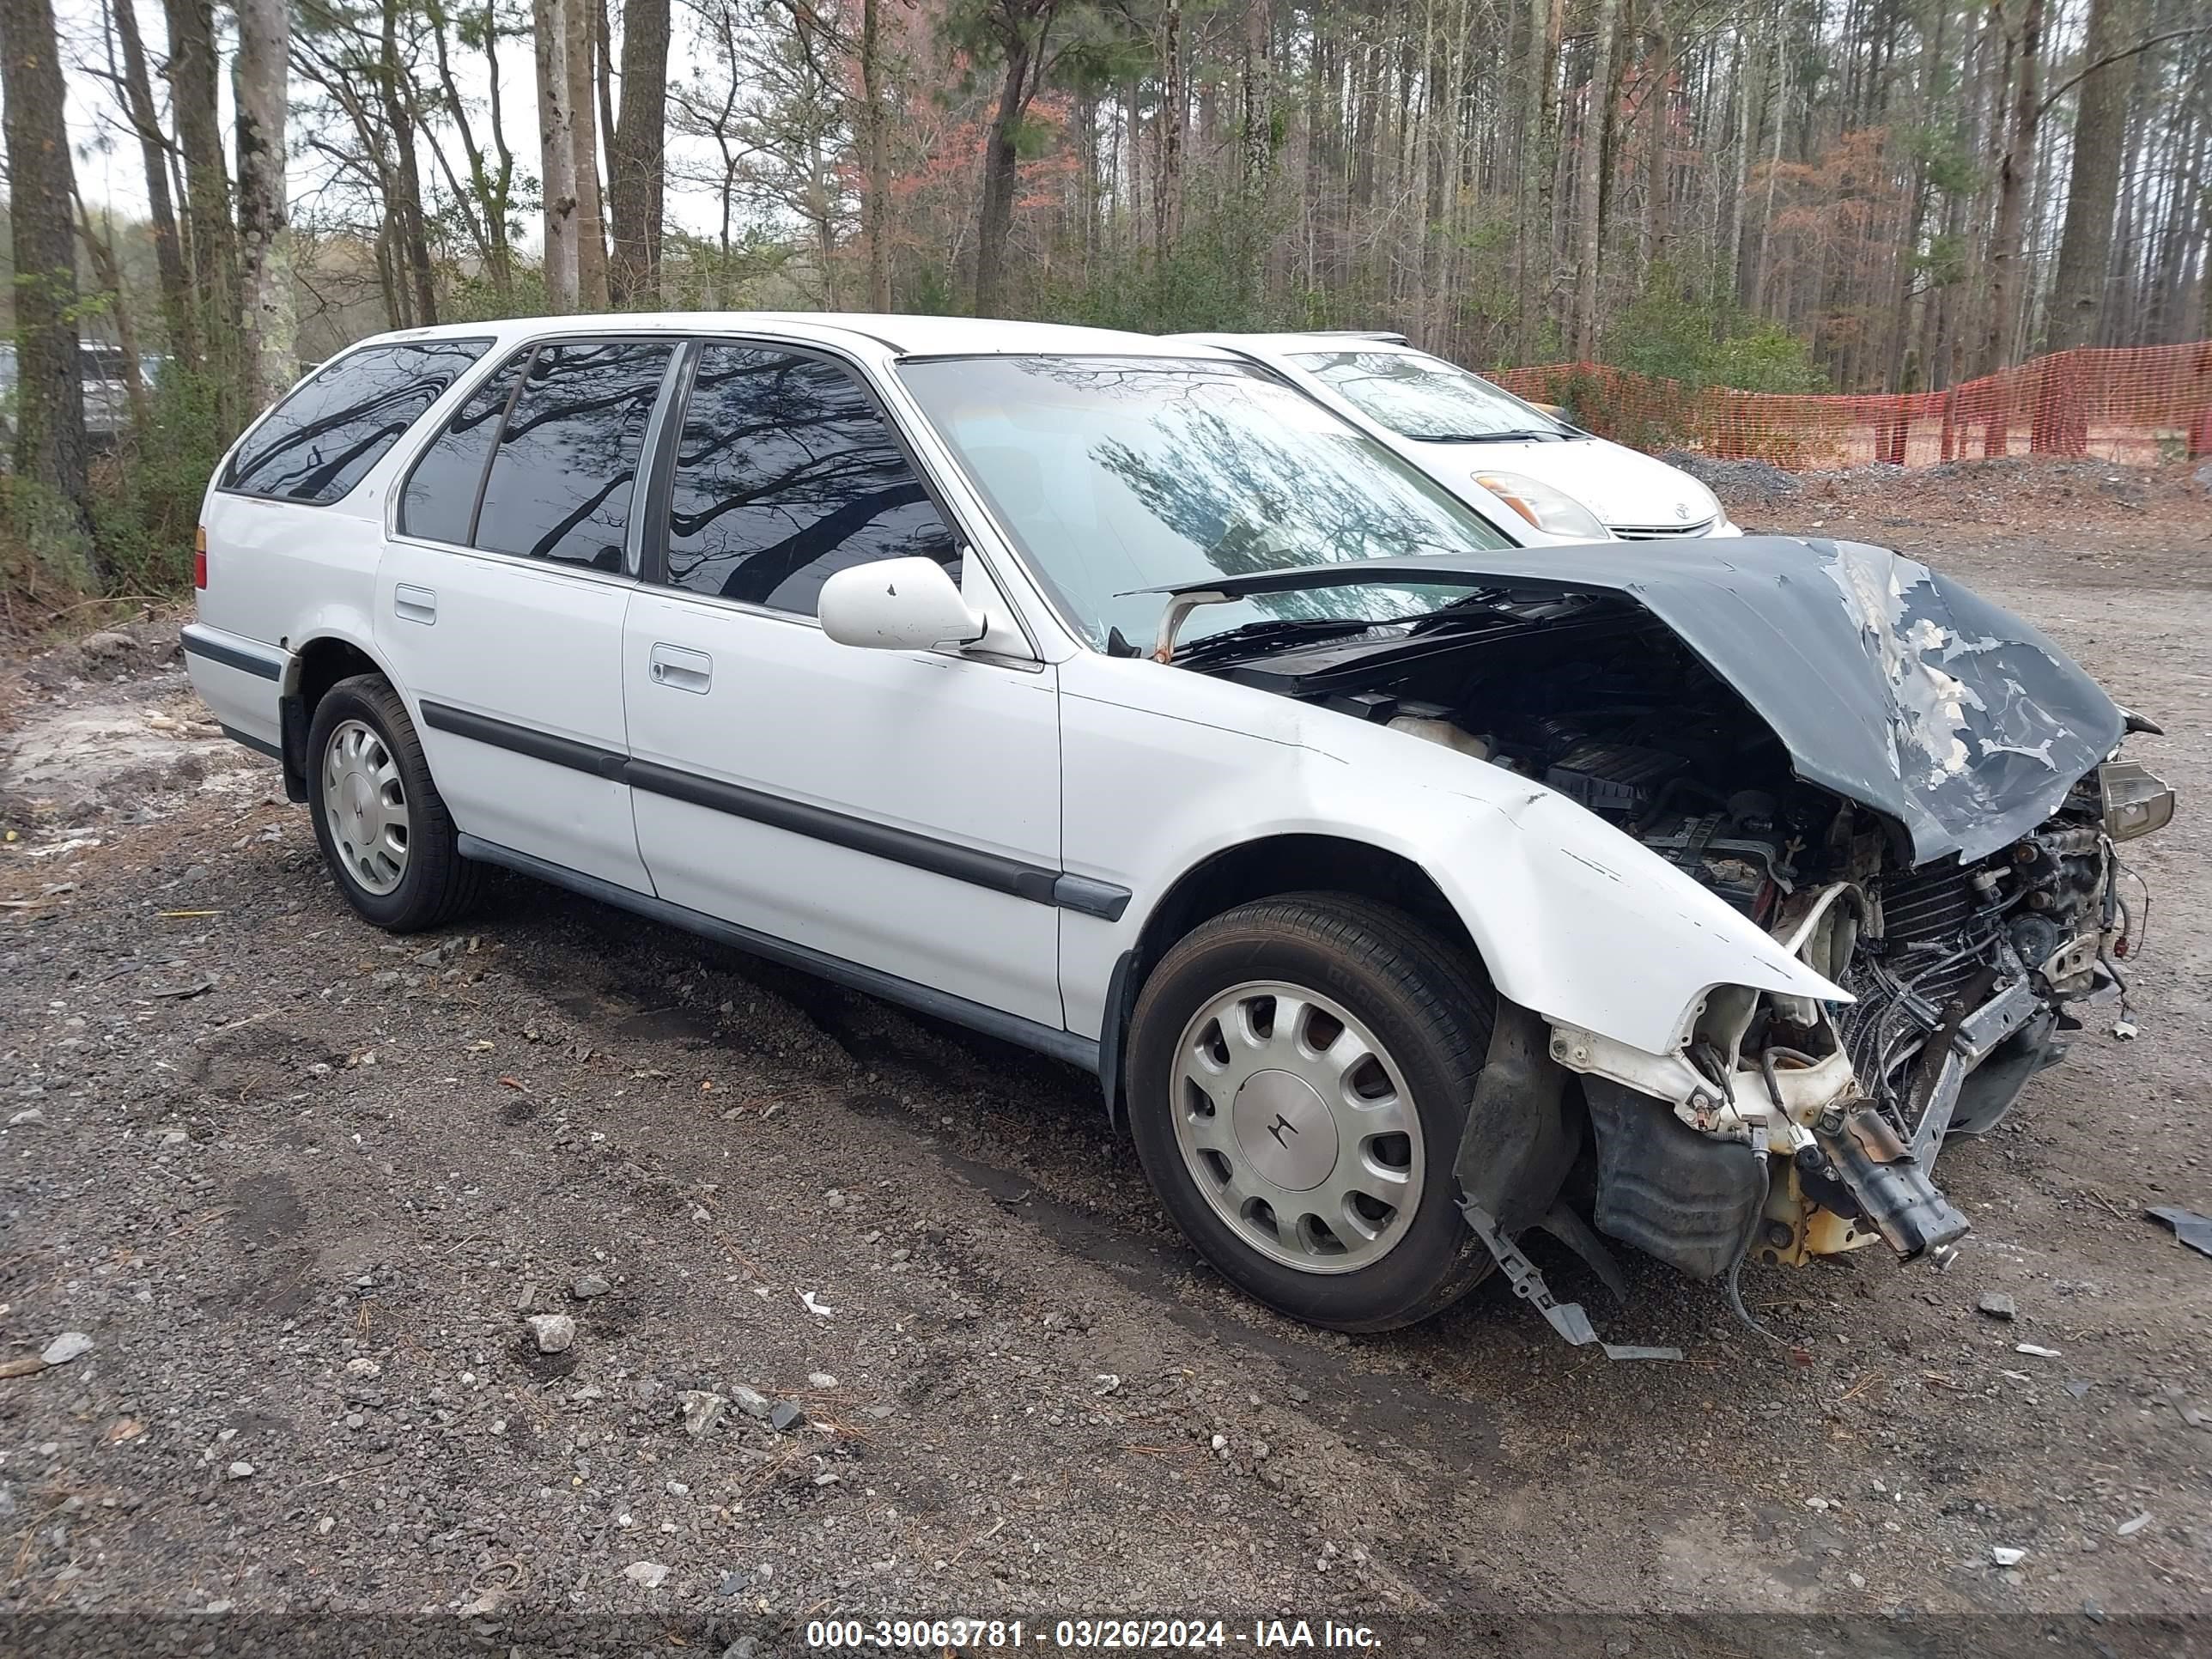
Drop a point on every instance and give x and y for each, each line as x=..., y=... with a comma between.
x=485, y=199
x=1589, y=189
x=2093, y=186
x=579, y=33
x=178, y=315
x=1014, y=33
x=557, y=152
x=49, y=436
x=875, y=158
x=270, y=354
x=193, y=79
x=636, y=154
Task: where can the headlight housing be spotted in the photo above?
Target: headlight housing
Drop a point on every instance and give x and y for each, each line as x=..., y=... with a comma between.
x=1551, y=510
x=1720, y=513
x=2136, y=800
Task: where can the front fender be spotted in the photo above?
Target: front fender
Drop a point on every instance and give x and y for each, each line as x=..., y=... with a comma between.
x=1592, y=930
x=1573, y=918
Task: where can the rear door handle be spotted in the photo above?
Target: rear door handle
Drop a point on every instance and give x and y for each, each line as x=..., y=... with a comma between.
x=681, y=669
x=415, y=605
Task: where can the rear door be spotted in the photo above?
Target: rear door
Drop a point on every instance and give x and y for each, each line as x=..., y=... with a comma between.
x=501, y=595
x=899, y=810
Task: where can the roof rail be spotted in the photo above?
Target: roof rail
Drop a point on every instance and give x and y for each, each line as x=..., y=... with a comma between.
x=1389, y=337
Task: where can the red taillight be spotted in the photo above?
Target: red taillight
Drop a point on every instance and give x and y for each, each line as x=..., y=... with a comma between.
x=199, y=557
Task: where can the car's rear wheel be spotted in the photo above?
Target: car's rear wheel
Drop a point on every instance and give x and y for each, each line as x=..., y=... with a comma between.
x=383, y=828
x=1299, y=1075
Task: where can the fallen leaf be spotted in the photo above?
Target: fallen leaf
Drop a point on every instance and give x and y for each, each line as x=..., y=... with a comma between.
x=512, y=1082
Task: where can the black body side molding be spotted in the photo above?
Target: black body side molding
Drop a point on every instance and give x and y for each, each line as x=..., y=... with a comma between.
x=979, y=868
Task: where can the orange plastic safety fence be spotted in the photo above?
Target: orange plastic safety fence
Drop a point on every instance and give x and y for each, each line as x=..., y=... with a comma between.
x=2139, y=406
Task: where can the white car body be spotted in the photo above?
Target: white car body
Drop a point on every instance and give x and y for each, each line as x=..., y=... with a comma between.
x=1636, y=497
x=969, y=799
x=1119, y=772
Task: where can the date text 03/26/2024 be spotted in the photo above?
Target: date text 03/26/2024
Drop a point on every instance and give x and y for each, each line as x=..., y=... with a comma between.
x=1087, y=1635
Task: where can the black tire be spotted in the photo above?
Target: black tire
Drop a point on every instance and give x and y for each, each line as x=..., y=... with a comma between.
x=1430, y=1007
x=437, y=884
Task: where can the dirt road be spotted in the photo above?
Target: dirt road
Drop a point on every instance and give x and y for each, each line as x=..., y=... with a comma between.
x=301, y=1186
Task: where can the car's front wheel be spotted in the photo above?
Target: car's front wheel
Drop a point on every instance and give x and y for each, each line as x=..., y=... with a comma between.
x=383, y=828
x=1299, y=1074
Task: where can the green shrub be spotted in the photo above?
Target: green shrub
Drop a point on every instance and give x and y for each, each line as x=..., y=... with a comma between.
x=146, y=491
x=1685, y=330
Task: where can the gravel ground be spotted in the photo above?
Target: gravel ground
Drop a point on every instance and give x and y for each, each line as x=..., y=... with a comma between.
x=852, y=1314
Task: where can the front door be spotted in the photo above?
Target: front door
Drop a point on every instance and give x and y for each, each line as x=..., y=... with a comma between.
x=897, y=810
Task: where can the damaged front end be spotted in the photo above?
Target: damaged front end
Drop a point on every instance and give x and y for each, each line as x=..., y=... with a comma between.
x=1795, y=1128
x=1912, y=792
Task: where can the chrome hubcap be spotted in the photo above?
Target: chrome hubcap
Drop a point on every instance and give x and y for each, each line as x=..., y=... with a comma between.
x=1298, y=1127
x=365, y=807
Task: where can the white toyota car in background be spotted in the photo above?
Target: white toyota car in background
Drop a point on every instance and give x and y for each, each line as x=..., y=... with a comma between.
x=1461, y=429
x=1405, y=889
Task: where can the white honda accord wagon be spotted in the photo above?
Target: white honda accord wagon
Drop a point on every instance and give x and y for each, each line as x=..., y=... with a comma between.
x=1405, y=889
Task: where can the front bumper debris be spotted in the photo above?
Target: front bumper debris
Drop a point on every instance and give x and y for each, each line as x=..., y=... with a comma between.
x=1858, y=1150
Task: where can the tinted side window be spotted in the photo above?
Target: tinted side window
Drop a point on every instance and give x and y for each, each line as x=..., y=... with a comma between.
x=786, y=474
x=560, y=483
x=441, y=498
x=335, y=424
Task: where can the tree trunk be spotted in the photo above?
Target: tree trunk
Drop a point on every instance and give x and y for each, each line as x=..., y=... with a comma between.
x=1656, y=139
x=214, y=243
x=636, y=171
x=406, y=173
x=875, y=161
x=584, y=155
x=1589, y=191
x=556, y=154
x=179, y=323
x=1255, y=149
x=1539, y=114
x=269, y=355
x=2013, y=182
x=50, y=436
x=2099, y=132
x=1174, y=115
x=1002, y=174
x=1732, y=242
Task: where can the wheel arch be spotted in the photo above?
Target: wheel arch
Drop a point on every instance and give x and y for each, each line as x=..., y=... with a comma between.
x=318, y=664
x=1265, y=867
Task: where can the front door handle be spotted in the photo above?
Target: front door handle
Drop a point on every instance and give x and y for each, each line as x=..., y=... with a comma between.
x=684, y=670
x=415, y=605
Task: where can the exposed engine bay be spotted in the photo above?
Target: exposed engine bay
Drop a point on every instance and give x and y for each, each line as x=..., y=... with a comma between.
x=1964, y=901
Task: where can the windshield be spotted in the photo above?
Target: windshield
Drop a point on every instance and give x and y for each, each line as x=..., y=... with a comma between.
x=1119, y=474
x=1426, y=397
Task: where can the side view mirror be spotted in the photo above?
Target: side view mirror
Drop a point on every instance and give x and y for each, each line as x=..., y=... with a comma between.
x=897, y=604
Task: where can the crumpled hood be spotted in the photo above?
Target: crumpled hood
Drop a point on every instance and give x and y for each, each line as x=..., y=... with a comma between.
x=1890, y=684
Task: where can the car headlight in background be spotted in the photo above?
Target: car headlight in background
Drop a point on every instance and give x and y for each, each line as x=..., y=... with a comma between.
x=1553, y=511
x=2136, y=800
x=1720, y=513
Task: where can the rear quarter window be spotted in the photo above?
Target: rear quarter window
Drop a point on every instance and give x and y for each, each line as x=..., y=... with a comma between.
x=338, y=423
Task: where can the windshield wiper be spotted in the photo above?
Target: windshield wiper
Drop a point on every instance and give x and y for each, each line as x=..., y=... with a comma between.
x=1263, y=635
x=1484, y=437
x=1480, y=605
